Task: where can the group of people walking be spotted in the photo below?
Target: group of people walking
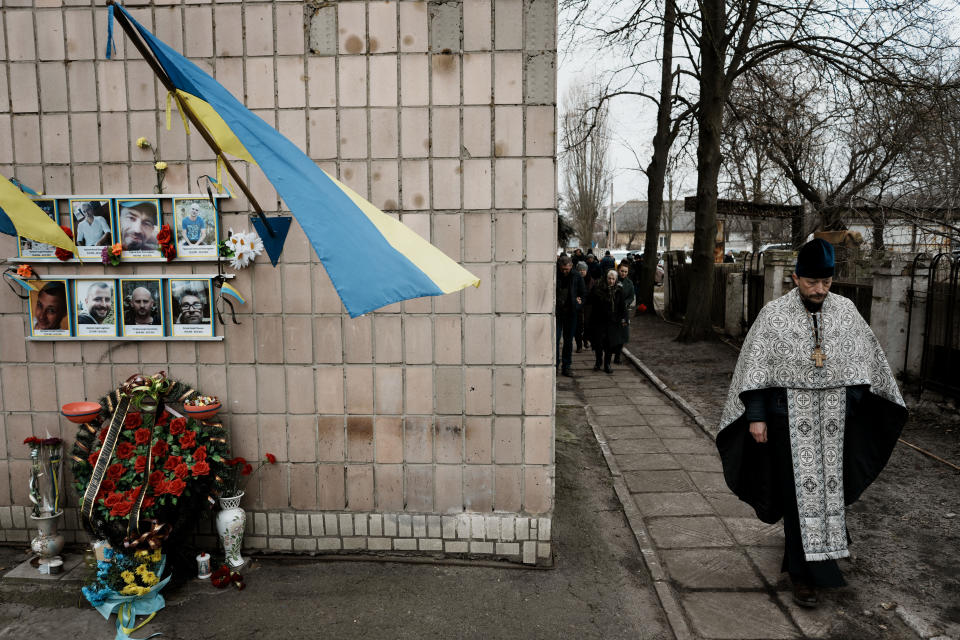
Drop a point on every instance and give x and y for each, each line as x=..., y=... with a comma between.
x=594, y=300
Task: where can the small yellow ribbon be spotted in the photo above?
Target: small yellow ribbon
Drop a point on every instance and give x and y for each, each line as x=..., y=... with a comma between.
x=131, y=617
x=170, y=96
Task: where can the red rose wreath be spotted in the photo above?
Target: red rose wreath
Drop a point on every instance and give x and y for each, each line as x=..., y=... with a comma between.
x=143, y=472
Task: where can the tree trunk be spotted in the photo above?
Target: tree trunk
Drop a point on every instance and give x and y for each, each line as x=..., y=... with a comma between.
x=713, y=89
x=657, y=169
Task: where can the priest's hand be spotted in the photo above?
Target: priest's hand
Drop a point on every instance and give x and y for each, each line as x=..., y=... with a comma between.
x=759, y=431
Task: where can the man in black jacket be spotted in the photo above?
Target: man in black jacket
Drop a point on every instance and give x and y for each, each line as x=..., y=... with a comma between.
x=570, y=294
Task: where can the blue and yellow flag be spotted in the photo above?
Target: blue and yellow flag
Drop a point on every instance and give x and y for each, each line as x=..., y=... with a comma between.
x=29, y=220
x=345, y=230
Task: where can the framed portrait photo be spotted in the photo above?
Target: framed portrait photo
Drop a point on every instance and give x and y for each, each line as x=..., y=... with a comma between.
x=28, y=248
x=49, y=309
x=95, y=306
x=92, y=226
x=138, y=222
x=191, y=305
x=196, y=229
x=142, y=305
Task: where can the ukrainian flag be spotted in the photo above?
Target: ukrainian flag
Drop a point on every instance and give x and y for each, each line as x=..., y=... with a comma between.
x=29, y=220
x=372, y=259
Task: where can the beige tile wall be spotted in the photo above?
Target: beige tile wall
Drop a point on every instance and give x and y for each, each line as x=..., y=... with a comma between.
x=431, y=110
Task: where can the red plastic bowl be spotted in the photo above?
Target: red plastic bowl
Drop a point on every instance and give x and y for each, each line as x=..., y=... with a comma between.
x=201, y=412
x=80, y=412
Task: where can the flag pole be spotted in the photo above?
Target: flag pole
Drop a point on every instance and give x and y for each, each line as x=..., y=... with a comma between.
x=168, y=84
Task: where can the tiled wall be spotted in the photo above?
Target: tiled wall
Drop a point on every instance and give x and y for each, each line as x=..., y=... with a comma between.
x=440, y=112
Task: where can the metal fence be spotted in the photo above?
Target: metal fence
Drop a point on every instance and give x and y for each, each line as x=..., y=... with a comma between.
x=940, y=363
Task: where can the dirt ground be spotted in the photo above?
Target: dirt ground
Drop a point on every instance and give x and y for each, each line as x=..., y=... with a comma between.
x=598, y=588
x=905, y=528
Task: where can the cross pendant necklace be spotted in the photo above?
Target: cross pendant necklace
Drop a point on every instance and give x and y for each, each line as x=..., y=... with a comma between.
x=818, y=356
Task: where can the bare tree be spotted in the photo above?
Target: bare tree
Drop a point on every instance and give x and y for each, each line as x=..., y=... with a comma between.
x=724, y=39
x=586, y=163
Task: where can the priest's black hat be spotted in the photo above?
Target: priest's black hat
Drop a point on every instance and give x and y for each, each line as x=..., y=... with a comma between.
x=815, y=260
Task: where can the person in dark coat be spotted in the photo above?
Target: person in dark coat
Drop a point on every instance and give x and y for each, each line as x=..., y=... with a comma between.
x=580, y=331
x=570, y=295
x=607, y=262
x=630, y=299
x=607, y=316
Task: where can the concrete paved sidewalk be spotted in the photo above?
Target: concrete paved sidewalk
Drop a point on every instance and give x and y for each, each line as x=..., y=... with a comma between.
x=715, y=566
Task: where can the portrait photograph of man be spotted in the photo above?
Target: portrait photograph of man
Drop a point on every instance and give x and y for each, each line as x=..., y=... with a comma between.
x=139, y=222
x=50, y=314
x=196, y=227
x=142, y=308
x=96, y=309
x=92, y=229
x=33, y=249
x=190, y=307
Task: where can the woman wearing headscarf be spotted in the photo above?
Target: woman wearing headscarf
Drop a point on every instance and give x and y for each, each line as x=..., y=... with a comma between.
x=629, y=298
x=608, y=315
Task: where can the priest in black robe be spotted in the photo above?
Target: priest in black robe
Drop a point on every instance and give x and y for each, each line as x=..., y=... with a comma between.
x=811, y=418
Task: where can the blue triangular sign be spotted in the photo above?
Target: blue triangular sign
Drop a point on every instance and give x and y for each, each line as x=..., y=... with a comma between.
x=280, y=225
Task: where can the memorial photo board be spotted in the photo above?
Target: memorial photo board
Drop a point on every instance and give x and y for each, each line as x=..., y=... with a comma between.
x=138, y=222
x=190, y=307
x=142, y=307
x=95, y=308
x=50, y=309
x=92, y=223
x=195, y=228
x=28, y=248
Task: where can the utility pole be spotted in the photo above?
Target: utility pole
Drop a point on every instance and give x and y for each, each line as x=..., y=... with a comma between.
x=612, y=227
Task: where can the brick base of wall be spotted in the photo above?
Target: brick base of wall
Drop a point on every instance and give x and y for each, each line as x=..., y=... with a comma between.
x=508, y=537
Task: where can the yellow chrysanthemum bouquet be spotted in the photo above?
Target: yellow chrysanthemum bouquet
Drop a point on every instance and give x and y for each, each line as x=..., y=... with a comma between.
x=129, y=585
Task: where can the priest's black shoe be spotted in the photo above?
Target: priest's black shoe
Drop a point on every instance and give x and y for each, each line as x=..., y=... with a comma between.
x=608, y=369
x=805, y=595
x=566, y=372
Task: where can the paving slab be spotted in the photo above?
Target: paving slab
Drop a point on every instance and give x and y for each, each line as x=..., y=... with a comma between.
x=699, y=462
x=608, y=401
x=657, y=481
x=628, y=433
x=754, y=533
x=813, y=623
x=693, y=531
x=710, y=482
x=72, y=572
x=646, y=461
x=642, y=445
x=768, y=561
x=621, y=421
x=673, y=431
x=690, y=445
x=737, y=616
x=628, y=411
x=672, y=504
x=727, y=504
x=711, y=569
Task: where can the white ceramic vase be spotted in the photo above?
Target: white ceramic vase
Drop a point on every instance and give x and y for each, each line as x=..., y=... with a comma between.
x=230, y=523
x=48, y=542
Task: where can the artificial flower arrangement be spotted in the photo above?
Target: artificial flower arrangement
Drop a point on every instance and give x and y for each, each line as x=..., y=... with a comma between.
x=165, y=242
x=129, y=585
x=111, y=255
x=173, y=460
x=242, y=247
x=145, y=474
